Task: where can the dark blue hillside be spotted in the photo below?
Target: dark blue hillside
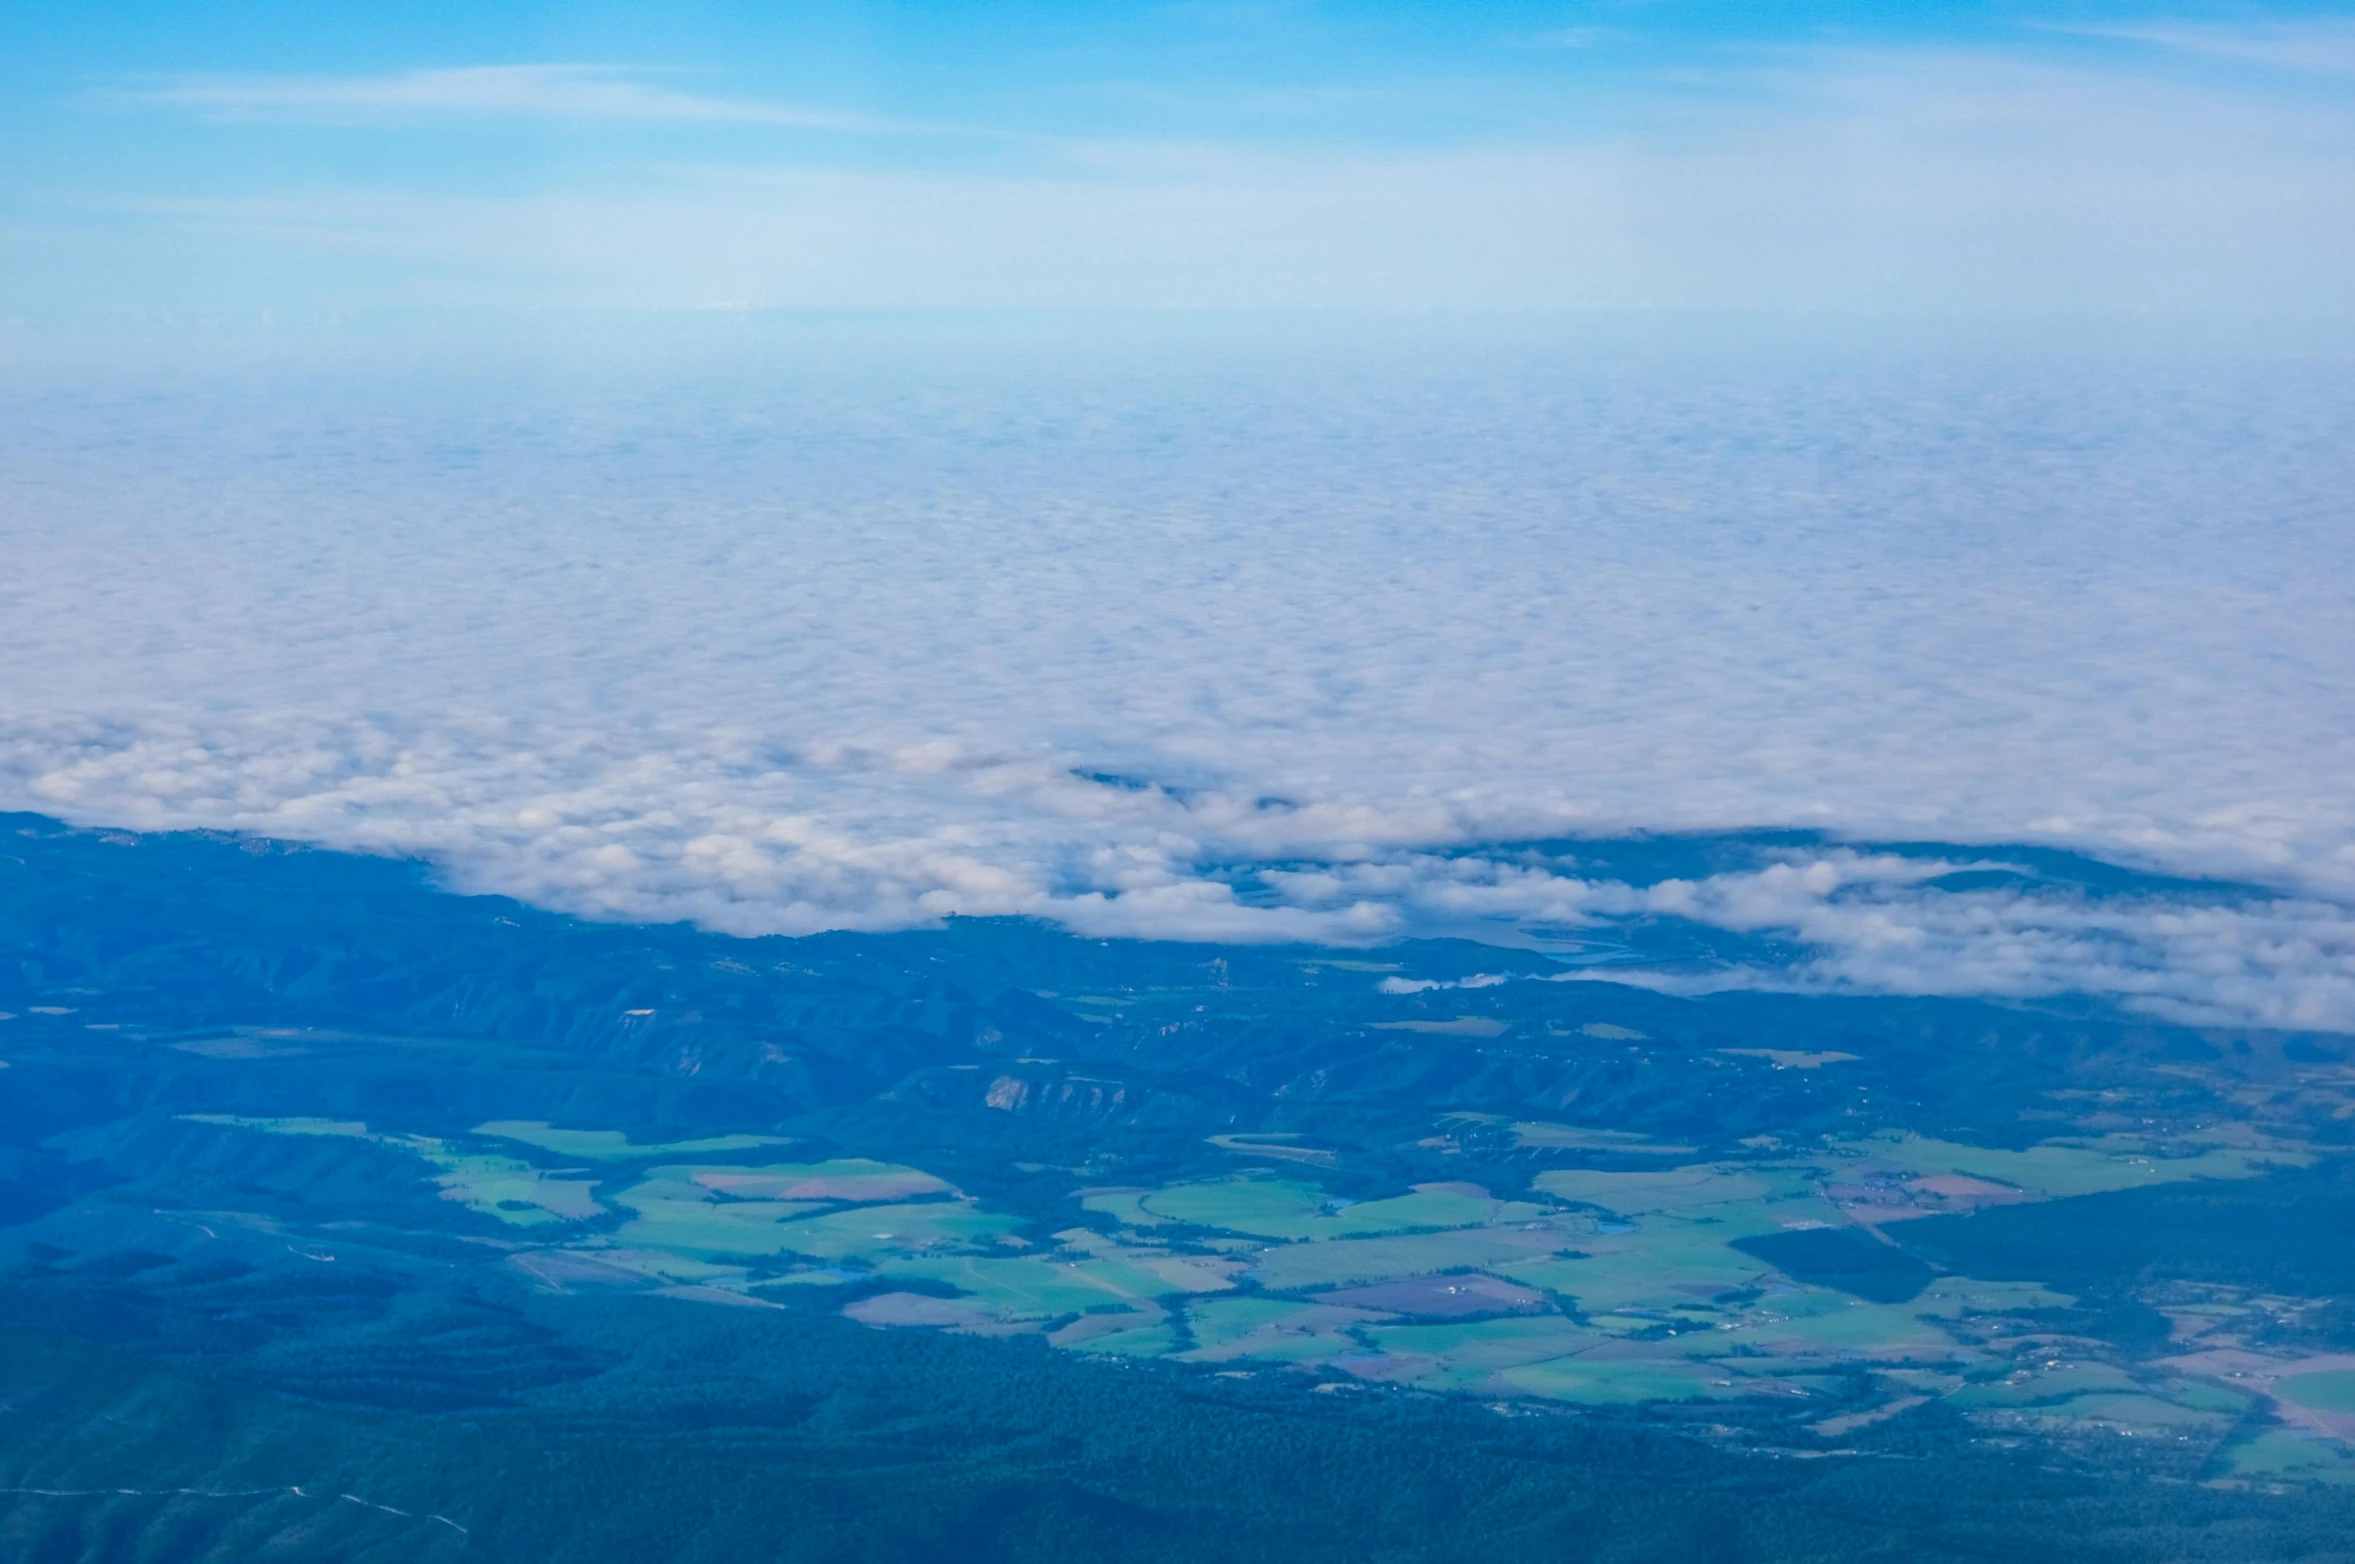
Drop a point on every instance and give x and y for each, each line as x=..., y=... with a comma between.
x=191, y=1299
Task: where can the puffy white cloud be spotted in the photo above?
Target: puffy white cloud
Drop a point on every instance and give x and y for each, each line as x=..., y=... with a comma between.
x=1873, y=926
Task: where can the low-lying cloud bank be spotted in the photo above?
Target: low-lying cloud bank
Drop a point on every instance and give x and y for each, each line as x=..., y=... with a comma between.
x=1248, y=642
x=752, y=843
x=1882, y=923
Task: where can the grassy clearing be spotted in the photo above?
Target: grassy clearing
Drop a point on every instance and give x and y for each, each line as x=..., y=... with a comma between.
x=1018, y=1287
x=515, y=1192
x=613, y=1145
x=695, y=1210
x=1792, y=1058
x=854, y=1180
x=1296, y=1267
x=1270, y=1330
x=1276, y=1146
x=1665, y=1262
x=1624, y=1382
x=1297, y=1212
x=2049, y=1387
x=678, y=1216
x=1261, y=1207
x=1818, y=1321
x=342, y=1129
x=667, y=1266
x=2278, y=1454
x=2327, y=1390
x=1665, y=1189
x=2060, y=1168
x=869, y=1232
x=919, y=1309
x=1125, y=1206
x=1952, y=1297
x=1662, y=1307
x=1141, y=1341
x=2136, y=1414
x=499, y=1187
x=1571, y=1137
x=1488, y=1344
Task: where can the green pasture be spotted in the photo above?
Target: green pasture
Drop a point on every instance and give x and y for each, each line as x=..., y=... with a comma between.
x=668, y=1266
x=1297, y=1212
x=1296, y=1267
x=1181, y=1273
x=671, y=1214
x=675, y=1212
x=1664, y=1263
x=1571, y=1137
x=1661, y=1189
x=500, y=1187
x=613, y=1145
x=1123, y=1206
x=2142, y=1413
x=1020, y=1287
x=2060, y=1168
x=1792, y=1058
x=1651, y=1325
x=1820, y=1321
x=2281, y=1453
x=515, y=1192
x=2210, y=1397
x=1276, y=1146
x=2047, y=1387
x=866, y=1231
x=1953, y=1297
x=1620, y=1382
x=1270, y=1330
x=1142, y=1341
x=1262, y=1207
x=854, y=1180
x=1487, y=1344
x=346, y=1129
x=2325, y=1390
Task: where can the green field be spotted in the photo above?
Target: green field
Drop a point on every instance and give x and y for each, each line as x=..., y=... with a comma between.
x=1668, y=1189
x=1278, y=1208
x=2060, y=1168
x=613, y=1145
x=2326, y=1390
x=1652, y=1300
x=499, y=1187
x=2281, y=1453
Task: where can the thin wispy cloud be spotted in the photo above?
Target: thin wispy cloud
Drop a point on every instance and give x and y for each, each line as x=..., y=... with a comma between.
x=2317, y=47
x=1809, y=178
x=553, y=91
x=1577, y=37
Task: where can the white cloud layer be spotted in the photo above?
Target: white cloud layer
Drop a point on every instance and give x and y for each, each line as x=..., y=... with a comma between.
x=804, y=635
x=1873, y=924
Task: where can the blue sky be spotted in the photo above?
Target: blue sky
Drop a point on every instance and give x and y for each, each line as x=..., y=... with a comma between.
x=245, y=157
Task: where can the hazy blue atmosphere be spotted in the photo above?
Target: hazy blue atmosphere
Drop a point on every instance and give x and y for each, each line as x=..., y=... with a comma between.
x=243, y=157
x=1250, y=781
